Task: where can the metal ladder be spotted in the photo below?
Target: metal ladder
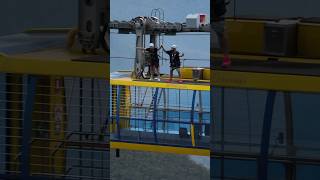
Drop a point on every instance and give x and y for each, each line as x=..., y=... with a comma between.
x=159, y=13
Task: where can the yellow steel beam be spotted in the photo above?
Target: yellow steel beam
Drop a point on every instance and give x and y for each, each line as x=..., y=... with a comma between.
x=267, y=81
x=159, y=148
x=53, y=67
x=266, y=58
x=183, y=86
x=245, y=36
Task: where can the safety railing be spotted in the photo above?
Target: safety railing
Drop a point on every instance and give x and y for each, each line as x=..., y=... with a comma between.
x=54, y=122
x=164, y=116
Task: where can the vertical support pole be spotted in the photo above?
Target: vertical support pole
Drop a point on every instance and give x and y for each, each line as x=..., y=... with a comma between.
x=118, y=111
x=222, y=131
x=200, y=113
x=164, y=112
x=153, y=39
x=80, y=124
x=139, y=60
x=155, y=97
x=265, y=138
x=92, y=123
x=27, y=125
x=192, y=118
x=212, y=112
x=90, y=39
x=290, y=166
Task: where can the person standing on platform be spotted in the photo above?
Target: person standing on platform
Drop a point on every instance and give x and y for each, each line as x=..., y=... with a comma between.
x=154, y=61
x=218, y=25
x=174, y=60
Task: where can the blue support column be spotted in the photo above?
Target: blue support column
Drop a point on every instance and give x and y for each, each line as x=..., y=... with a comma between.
x=155, y=97
x=27, y=125
x=223, y=113
x=118, y=111
x=192, y=106
x=265, y=138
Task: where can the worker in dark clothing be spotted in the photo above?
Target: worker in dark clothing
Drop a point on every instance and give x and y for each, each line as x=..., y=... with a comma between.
x=174, y=60
x=218, y=26
x=153, y=61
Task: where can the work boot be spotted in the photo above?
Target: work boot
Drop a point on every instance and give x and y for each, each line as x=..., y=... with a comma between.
x=226, y=61
x=169, y=80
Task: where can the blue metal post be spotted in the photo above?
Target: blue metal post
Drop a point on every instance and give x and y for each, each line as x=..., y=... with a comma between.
x=223, y=113
x=265, y=138
x=193, y=141
x=155, y=97
x=118, y=111
x=192, y=106
x=27, y=125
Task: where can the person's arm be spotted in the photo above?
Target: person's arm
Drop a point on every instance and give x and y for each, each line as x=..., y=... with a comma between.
x=141, y=48
x=168, y=52
x=181, y=55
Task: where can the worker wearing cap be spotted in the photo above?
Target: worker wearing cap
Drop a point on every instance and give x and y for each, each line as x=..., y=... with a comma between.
x=154, y=60
x=174, y=60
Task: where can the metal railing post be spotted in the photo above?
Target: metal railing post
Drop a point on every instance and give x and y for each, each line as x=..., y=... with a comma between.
x=27, y=125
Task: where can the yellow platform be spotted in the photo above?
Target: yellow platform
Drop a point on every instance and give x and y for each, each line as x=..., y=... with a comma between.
x=124, y=79
x=262, y=58
x=266, y=81
x=159, y=148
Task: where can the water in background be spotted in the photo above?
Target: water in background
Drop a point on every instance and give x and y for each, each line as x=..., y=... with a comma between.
x=193, y=46
x=18, y=15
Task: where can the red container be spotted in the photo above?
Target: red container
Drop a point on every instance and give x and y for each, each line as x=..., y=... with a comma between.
x=202, y=19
